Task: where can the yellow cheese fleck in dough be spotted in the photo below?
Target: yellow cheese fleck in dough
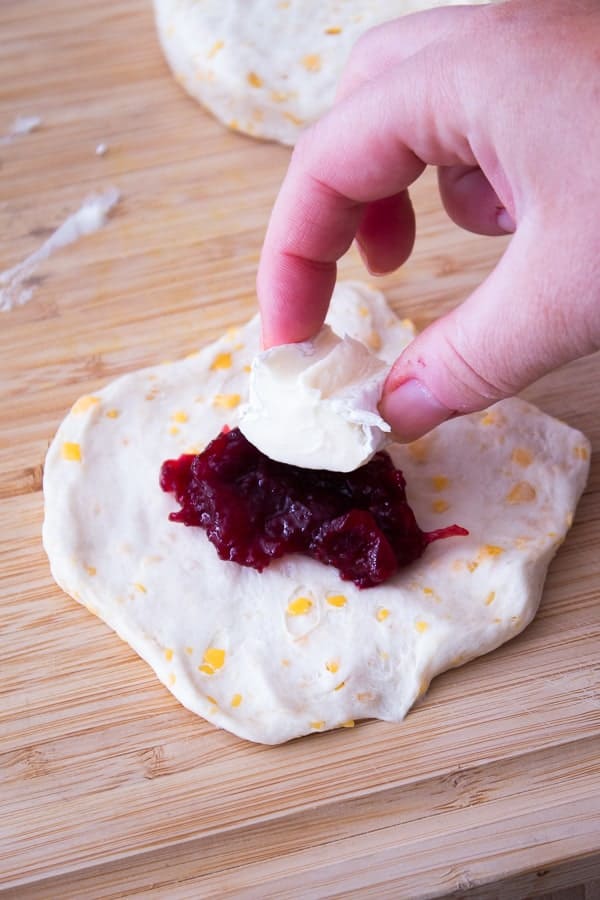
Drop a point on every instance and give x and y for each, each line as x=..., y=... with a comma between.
x=214, y=657
x=254, y=80
x=279, y=96
x=91, y=570
x=295, y=120
x=300, y=606
x=491, y=550
x=492, y=418
x=440, y=506
x=112, y=413
x=173, y=430
x=334, y=29
x=440, y=482
x=521, y=492
x=70, y=451
x=312, y=62
x=421, y=626
x=208, y=670
x=140, y=587
x=168, y=654
x=236, y=700
x=83, y=404
x=581, y=452
x=189, y=650
x=340, y=686
x=226, y=401
x=180, y=416
x=337, y=600
x=522, y=457
x=349, y=723
x=363, y=311
x=419, y=450
x=332, y=666
x=221, y=361
x=172, y=678
x=490, y=598
x=247, y=369
x=317, y=726
x=471, y=566
x=382, y=614
x=212, y=700
x=374, y=341
x=218, y=45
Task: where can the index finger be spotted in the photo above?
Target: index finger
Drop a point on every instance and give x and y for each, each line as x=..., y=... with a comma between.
x=372, y=145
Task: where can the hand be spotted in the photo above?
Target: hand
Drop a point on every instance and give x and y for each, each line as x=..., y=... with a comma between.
x=505, y=101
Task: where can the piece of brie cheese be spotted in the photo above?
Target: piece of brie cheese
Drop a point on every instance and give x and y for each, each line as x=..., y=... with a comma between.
x=314, y=404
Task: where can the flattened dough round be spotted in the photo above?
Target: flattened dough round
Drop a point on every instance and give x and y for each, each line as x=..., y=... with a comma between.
x=276, y=655
x=267, y=67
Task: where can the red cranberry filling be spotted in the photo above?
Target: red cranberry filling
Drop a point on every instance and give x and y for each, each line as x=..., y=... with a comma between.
x=254, y=510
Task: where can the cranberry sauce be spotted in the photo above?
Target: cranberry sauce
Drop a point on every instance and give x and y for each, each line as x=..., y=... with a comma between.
x=255, y=510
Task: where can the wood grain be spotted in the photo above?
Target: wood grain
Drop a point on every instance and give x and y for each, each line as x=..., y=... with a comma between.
x=490, y=788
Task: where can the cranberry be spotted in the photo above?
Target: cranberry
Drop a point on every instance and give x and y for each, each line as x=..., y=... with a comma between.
x=254, y=510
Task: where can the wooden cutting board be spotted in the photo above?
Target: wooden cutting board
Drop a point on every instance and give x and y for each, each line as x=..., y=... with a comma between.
x=107, y=786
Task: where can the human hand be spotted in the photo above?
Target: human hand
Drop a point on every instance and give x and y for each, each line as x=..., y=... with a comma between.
x=505, y=101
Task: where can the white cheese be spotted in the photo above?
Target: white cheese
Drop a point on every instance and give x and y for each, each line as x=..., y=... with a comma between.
x=314, y=404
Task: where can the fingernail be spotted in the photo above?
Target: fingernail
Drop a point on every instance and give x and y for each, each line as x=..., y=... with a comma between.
x=412, y=410
x=505, y=221
x=363, y=255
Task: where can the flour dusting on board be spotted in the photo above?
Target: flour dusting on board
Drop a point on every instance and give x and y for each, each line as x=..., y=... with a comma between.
x=21, y=125
x=91, y=216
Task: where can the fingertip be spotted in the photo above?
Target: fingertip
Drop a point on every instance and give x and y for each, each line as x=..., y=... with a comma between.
x=293, y=295
x=386, y=234
x=471, y=201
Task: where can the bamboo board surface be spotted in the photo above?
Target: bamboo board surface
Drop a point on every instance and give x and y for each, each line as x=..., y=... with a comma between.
x=490, y=788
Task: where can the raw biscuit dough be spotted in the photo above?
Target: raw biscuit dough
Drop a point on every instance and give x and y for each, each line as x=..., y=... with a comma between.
x=267, y=67
x=295, y=650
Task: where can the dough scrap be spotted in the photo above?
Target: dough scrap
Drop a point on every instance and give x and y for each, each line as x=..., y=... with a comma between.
x=265, y=67
x=294, y=650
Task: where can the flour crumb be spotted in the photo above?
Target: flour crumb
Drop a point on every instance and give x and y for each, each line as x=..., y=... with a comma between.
x=90, y=217
x=21, y=125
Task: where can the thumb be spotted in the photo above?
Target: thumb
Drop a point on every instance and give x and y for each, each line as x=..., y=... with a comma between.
x=521, y=322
